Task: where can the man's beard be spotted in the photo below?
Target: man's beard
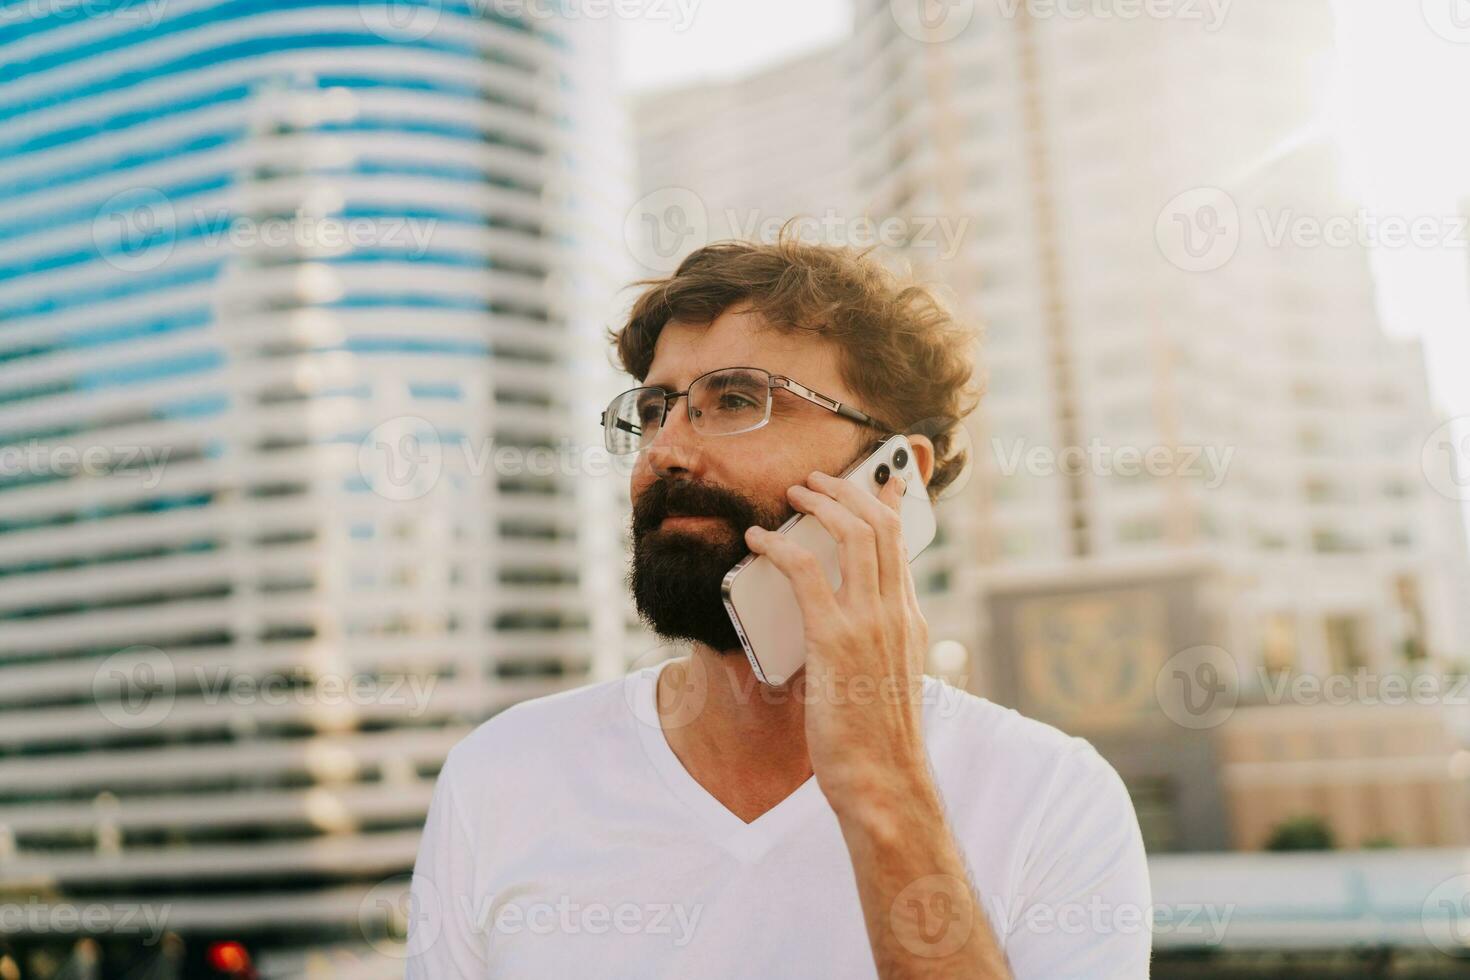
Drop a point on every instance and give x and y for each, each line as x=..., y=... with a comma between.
x=675, y=575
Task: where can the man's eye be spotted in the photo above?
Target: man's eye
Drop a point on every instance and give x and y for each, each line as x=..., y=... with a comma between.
x=736, y=403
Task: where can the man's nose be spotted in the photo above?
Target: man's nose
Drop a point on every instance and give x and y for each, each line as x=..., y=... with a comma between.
x=676, y=448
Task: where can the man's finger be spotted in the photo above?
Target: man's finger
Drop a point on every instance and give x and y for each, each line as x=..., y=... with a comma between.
x=857, y=543
x=802, y=570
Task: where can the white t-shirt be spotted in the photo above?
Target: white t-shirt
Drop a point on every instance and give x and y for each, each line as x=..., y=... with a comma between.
x=565, y=839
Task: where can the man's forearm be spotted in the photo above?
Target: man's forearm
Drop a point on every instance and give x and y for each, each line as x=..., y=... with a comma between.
x=923, y=917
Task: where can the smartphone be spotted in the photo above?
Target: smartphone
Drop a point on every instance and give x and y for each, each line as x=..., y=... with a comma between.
x=760, y=600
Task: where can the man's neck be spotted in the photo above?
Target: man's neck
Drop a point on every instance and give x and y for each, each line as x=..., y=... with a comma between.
x=744, y=742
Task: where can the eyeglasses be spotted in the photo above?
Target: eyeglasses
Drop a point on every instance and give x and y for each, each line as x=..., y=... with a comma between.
x=724, y=402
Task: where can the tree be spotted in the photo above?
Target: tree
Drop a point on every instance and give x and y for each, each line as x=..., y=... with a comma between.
x=1305, y=833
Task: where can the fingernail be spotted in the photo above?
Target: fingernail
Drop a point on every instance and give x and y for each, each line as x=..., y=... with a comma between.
x=754, y=531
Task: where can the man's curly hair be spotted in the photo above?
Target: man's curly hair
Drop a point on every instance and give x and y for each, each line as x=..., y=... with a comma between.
x=901, y=351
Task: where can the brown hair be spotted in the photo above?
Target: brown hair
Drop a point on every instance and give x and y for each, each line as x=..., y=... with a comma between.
x=901, y=352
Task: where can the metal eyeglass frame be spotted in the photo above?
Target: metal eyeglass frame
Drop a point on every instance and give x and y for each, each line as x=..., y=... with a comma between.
x=776, y=381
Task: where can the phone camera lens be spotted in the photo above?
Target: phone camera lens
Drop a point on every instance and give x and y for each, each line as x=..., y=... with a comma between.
x=900, y=459
x=881, y=474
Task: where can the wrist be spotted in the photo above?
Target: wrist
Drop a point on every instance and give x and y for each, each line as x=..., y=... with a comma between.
x=883, y=805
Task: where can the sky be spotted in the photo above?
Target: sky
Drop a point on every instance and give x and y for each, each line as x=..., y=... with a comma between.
x=1397, y=109
x=724, y=38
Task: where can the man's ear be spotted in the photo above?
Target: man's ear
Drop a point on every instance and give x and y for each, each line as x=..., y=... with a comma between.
x=923, y=456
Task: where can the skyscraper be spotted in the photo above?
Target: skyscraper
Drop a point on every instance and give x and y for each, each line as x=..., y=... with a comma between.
x=1129, y=180
x=1197, y=441
x=295, y=304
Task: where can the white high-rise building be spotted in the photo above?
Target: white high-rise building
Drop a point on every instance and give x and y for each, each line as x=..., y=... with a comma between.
x=1154, y=401
x=298, y=303
x=1128, y=180
x=755, y=150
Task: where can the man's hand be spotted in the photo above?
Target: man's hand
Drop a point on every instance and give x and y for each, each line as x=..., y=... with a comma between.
x=865, y=646
x=865, y=643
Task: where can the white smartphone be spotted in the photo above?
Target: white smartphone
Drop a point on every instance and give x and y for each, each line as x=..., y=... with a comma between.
x=760, y=600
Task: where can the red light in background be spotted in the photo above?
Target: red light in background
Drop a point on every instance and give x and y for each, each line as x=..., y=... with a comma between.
x=229, y=957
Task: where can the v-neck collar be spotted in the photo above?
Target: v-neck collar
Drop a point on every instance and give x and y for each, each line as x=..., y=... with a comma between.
x=748, y=842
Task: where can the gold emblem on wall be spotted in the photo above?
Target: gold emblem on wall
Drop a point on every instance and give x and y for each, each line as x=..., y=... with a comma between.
x=1089, y=661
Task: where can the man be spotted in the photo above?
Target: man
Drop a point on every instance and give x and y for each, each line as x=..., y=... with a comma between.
x=862, y=820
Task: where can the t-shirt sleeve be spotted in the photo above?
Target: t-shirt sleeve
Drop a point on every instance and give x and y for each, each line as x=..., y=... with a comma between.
x=443, y=939
x=1084, y=902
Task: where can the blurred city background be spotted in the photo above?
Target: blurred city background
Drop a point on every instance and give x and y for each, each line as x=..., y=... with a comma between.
x=302, y=313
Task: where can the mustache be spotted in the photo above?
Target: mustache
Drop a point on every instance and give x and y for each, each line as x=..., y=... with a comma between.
x=670, y=498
